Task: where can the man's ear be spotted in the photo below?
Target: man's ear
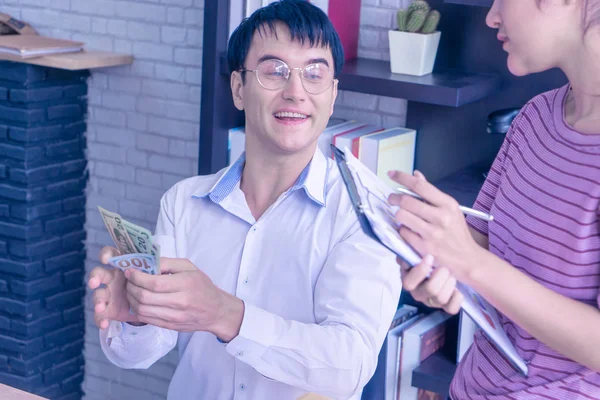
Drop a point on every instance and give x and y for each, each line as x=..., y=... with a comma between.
x=237, y=91
x=335, y=93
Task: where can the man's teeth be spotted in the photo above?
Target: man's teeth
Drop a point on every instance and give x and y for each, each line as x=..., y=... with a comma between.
x=289, y=115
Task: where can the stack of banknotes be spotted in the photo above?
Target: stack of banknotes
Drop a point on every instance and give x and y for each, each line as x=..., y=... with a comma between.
x=134, y=244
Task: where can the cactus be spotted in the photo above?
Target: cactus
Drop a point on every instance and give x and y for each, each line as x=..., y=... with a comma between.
x=431, y=22
x=418, y=5
x=418, y=18
x=402, y=19
x=416, y=21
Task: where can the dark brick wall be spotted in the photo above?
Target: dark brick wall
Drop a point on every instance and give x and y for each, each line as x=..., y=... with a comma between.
x=42, y=215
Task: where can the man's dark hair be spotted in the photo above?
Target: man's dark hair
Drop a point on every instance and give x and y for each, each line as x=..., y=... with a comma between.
x=305, y=22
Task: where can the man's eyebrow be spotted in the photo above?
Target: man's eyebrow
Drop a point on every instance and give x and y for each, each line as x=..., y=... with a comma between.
x=311, y=61
x=319, y=61
x=267, y=57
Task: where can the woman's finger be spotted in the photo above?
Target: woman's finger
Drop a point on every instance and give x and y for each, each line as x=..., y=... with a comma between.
x=418, y=184
x=453, y=306
x=445, y=293
x=413, y=222
x=436, y=282
x=416, y=275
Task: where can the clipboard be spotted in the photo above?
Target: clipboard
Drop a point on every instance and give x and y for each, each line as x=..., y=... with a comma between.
x=377, y=221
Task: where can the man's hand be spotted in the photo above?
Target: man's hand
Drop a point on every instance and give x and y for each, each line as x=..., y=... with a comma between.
x=110, y=301
x=183, y=299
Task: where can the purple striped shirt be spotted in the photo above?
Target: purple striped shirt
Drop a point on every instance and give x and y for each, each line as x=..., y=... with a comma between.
x=543, y=191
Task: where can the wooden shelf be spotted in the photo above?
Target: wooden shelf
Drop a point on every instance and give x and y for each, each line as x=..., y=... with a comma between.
x=480, y=3
x=444, y=88
x=88, y=59
x=434, y=374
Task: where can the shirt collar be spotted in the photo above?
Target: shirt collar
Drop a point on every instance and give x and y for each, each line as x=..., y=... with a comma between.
x=313, y=179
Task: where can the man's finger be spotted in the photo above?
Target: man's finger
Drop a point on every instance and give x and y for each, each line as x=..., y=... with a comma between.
x=152, y=283
x=107, y=253
x=100, y=300
x=175, y=265
x=100, y=276
x=436, y=281
x=146, y=297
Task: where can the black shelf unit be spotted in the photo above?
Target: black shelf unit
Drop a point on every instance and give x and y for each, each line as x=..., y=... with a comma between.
x=448, y=109
x=452, y=88
x=434, y=374
x=480, y=3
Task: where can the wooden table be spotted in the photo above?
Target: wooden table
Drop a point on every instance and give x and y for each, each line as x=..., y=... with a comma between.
x=10, y=393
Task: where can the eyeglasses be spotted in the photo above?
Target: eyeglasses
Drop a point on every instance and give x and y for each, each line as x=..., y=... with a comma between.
x=274, y=74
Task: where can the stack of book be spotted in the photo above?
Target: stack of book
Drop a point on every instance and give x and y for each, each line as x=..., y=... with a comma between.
x=380, y=149
x=411, y=339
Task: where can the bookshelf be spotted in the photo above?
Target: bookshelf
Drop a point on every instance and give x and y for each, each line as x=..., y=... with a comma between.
x=448, y=109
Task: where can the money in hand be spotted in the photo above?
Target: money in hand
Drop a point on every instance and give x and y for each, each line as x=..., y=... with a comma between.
x=142, y=262
x=116, y=229
x=134, y=243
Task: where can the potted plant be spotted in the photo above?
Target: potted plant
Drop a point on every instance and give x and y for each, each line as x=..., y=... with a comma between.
x=413, y=46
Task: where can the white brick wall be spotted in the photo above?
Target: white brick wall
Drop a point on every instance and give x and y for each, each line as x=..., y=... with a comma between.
x=143, y=125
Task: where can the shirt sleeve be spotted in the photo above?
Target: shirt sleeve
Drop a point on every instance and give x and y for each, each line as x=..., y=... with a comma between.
x=487, y=194
x=129, y=346
x=355, y=298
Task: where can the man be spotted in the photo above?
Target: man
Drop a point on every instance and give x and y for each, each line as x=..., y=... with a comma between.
x=271, y=289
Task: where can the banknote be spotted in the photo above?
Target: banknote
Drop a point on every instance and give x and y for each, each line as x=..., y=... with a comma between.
x=139, y=261
x=132, y=240
x=118, y=232
x=141, y=237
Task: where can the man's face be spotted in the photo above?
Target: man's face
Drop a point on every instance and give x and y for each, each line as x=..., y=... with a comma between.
x=288, y=120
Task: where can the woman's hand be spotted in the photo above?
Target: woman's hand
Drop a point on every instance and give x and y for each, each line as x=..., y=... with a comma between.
x=433, y=287
x=435, y=227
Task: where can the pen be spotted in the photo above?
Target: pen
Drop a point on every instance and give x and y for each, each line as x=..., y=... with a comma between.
x=465, y=210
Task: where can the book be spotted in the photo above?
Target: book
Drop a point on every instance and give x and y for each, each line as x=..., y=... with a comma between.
x=30, y=46
x=369, y=195
x=237, y=143
x=326, y=138
x=345, y=18
x=391, y=149
x=351, y=139
x=419, y=341
x=466, y=335
x=394, y=357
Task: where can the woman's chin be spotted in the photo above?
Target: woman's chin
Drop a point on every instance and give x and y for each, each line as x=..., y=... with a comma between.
x=516, y=67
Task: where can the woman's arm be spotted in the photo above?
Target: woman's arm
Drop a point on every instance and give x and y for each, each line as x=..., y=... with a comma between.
x=568, y=326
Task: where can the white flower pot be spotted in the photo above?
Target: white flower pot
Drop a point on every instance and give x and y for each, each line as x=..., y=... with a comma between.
x=413, y=53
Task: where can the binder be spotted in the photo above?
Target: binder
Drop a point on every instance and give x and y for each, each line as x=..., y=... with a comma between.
x=368, y=195
x=29, y=46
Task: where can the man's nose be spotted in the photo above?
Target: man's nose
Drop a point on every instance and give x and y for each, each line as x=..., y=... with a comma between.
x=293, y=89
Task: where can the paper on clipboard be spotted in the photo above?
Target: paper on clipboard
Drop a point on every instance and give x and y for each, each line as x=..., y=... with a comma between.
x=369, y=197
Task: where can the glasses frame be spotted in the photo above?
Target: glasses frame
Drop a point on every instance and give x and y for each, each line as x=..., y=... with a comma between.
x=300, y=70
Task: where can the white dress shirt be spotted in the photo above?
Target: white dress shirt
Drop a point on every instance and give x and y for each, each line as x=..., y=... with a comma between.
x=319, y=294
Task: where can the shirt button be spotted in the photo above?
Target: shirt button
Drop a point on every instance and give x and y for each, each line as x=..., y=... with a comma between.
x=240, y=353
x=242, y=387
x=253, y=229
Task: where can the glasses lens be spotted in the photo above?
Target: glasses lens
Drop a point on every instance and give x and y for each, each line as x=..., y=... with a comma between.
x=317, y=78
x=272, y=74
